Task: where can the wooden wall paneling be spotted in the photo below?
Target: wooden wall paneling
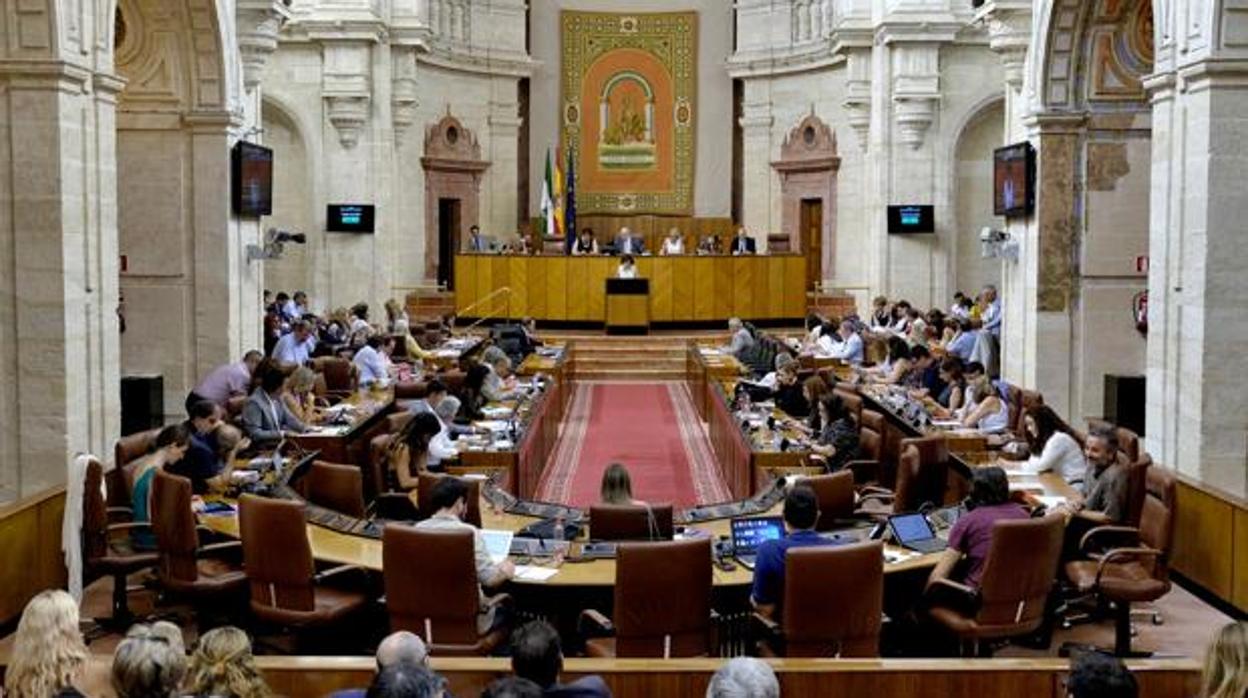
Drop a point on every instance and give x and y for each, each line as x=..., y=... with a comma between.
x=535, y=284
x=500, y=274
x=703, y=288
x=759, y=288
x=1204, y=539
x=723, y=299
x=795, y=286
x=683, y=289
x=662, y=288
x=578, y=289
x=518, y=275
x=742, y=287
x=465, y=285
x=600, y=270
x=776, y=283
x=1239, y=549
x=557, y=288
x=30, y=548
x=484, y=281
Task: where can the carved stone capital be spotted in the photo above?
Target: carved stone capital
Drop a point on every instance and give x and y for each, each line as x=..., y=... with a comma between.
x=914, y=116
x=1009, y=33
x=348, y=114
x=916, y=90
x=404, y=98
x=258, y=22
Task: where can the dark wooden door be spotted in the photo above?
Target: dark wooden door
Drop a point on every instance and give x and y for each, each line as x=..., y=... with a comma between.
x=448, y=241
x=811, y=223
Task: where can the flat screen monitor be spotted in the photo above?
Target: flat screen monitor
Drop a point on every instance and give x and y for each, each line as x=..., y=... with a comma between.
x=748, y=534
x=911, y=218
x=251, y=181
x=1014, y=180
x=349, y=218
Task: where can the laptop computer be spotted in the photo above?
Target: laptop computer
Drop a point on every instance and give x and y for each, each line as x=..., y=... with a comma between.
x=748, y=534
x=914, y=532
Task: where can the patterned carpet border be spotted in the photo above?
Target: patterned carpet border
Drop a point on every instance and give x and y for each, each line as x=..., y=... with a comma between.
x=708, y=483
x=556, y=482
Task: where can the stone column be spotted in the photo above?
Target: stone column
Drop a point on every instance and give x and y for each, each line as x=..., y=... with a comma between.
x=758, y=180
x=498, y=200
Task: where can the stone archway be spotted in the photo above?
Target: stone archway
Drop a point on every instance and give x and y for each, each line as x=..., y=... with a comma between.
x=453, y=169
x=807, y=167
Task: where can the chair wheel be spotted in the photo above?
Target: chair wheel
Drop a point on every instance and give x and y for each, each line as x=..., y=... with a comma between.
x=1066, y=624
x=1158, y=619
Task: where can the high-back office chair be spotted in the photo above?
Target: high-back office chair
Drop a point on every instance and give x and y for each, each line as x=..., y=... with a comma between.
x=833, y=603
x=285, y=587
x=658, y=615
x=1137, y=487
x=1138, y=570
x=835, y=494
x=852, y=402
x=867, y=467
x=432, y=590
x=1018, y=574
x=335, y=486
x=128, y=449
x=630, y=522
x=342, y=378
x=424, y=497
x=101, y=553
x=187, y=568
x=922, y=478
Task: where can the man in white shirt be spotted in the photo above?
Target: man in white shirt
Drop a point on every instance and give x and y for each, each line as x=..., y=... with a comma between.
x=742, y=341
x=373, y=361
x=296, y=307
x=450, y=501
x=441, y=447
x=844, y=344
x=295, y=347
x=991, y=317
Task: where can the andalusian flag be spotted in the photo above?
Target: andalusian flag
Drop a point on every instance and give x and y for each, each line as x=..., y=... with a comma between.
x=548, y=201
x=556, y=193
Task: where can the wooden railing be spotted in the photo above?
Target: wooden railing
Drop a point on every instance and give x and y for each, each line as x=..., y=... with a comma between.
x=30, y=550
x=1211, y=541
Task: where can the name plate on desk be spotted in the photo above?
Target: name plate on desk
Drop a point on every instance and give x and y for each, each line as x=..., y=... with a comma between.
x=628, y=287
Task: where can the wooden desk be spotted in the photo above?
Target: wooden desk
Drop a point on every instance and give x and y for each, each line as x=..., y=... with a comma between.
x=628, y=306
x=350, y=446
x=683, y=289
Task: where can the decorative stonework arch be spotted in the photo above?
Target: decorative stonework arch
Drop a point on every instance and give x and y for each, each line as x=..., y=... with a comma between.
x=174, y=56
x=807, y=167
x=453, y=169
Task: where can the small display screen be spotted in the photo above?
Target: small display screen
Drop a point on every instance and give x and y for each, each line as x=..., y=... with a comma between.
x=910, y=527
x=251, y=183
x=350, y=218
x=911, y=219
x=748, y=534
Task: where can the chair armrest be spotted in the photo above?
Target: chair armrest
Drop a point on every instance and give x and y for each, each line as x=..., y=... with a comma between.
x=600, y=622
x=769, y=625
x=874, y=490
x=1109, y=537
x=126, y=513
x=213, y=548
x=884, y=497
x=1118, y=554
x=128, y=526
x=499, y=600
x=956, y=586
x=334, y=571
x=864, y=470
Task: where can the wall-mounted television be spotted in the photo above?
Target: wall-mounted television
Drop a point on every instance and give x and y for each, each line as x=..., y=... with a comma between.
x=1014, y=180
x=251, y=181
x=911, y=218
x=349, y=218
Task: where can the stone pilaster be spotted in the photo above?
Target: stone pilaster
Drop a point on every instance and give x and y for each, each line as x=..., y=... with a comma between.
x=756, y=123
x=258, y=23
x=503, y=133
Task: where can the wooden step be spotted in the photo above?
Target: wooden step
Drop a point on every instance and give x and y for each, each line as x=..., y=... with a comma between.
x=630, y=374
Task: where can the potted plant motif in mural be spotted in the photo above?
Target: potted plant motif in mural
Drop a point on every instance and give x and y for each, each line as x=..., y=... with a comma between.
x=626, y=124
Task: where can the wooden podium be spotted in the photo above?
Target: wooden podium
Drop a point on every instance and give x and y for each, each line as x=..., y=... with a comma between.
x=628, y=306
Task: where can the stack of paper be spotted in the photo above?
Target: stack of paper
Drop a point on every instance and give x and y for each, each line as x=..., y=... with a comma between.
x=532, y=573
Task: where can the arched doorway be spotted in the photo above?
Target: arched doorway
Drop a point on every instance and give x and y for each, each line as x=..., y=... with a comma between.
x=807, y=166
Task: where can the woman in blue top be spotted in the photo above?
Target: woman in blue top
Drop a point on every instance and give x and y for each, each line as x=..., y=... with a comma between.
x=171, y=446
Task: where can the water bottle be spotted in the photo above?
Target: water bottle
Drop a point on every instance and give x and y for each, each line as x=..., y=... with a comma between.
x=558, y=533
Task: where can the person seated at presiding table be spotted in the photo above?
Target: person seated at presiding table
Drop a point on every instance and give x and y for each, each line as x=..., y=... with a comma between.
x=627, y=268
x=617, y=486
x=971, y=535
x=710, y=244
x=801, y=513
x=628, y=243
x=844, y=344
x=536, y=655
x=299, y=395
x=225, y=381
x=585, y=244
x=476, y=242
x=265, y=417
x=373, y=361
x=410, y=457
x=172, y=443
x=837, y=443
x=741, y=341
x=674, y=243
x=450, y=501
x=742, y=243
x=1051, y=445
x=296, y=346
x=984, y=409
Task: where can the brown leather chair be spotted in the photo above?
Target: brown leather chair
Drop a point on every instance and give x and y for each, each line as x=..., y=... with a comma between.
x=335, y=486
x=1137, y=487
x=1028, y=399
x=285, y=587
x=424, y=497
x=187, y=567
x=1136, y=568
x=342, y=378
x=833, y=603
x=630, y=522
x=665, y=614
x=1018, y=574
x=432, y=590
x=835, y=494
x=127, y=450
x=870, y=447
x=922, y=477
x=103, y=552
x=852, y=401
x=411, y=390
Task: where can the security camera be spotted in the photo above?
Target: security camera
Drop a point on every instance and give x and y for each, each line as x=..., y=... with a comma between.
x=987, y=234
x=276, y=235
x=274, y=245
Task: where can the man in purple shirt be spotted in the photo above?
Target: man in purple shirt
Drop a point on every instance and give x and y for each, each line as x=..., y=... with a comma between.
x=971, y=537
x=225, y=382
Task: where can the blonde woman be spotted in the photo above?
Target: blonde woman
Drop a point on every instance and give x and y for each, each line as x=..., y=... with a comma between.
x=48, y=651
x=1226, y=663
x=394, y=314
x=222, y=665
x=299, y=396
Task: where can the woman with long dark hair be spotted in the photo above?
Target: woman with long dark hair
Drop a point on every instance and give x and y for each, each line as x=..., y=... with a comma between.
x=1052, y=446
x=411, y=457
x=971, y=536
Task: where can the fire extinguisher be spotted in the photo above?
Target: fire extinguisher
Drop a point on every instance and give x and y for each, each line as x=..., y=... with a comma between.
x=1139, y=309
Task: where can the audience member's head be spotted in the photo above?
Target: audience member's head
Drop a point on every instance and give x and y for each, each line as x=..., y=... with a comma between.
x=617, y=486
x=744, y=677
x=898, y=349
x=150, y=662
x=879, y=303
x=920, y=355
x=435, y=391
x=1226, y=663
x=360, y=310
x=847, y=329
x=536, y=654
x=972, y=369
x=783, y=359
x=814, y=388
x=951, y=370
x=301, y=381
x=174, y=440
x=512, y=687
x=222, y=665
x=273, y=380
x=801, y=508
x=205, y=416
x=447, y=408
x=406, y=681
x=423, y=427
x=251, y=360
x=1040, y=423
x=989, y=487
x=229, y=438
x=401, y=647
x=734, y=324
x=831, y=408
x=48, y=652
x=450, y=494
x=1099, y=675
x=1101, y=446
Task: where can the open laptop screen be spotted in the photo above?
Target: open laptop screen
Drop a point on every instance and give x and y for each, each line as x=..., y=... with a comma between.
x=748, y=534
x=910, y=527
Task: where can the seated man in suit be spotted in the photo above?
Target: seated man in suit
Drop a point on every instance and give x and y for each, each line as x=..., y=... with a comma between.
x=450, y=501
x=476, y=242
x=627, y=243
x=536, y=655
x=742, y=243
x=265, y=416
x=801, y=512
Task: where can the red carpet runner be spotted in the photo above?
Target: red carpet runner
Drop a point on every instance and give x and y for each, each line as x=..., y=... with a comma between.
x=653, y=429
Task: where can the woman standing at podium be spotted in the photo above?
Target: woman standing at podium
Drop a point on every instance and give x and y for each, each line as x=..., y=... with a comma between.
x=628, y=268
